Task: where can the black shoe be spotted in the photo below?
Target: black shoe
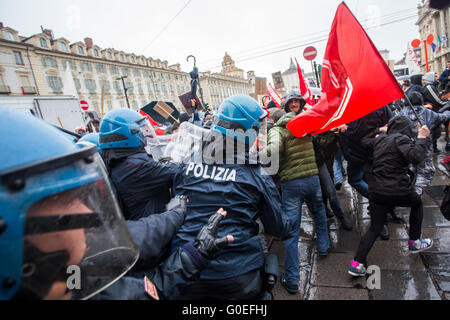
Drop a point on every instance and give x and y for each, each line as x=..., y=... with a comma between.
x=384, y=235
x=338, y=186
x=291, y=288
x=329, y=213
x=345, y=221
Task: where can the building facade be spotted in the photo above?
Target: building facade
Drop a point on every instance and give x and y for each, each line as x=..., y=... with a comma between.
x=437, y=23
x=37, y=65
x=230, y=81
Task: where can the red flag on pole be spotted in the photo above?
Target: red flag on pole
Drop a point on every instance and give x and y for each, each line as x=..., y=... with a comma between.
x=304, y=88
x=355, y=79
x=274, y=95
x=159, y=129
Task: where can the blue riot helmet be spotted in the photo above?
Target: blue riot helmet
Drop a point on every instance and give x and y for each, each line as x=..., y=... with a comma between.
x=241, y=117
x=124, y=128
x=62, y=234
x=93, y=138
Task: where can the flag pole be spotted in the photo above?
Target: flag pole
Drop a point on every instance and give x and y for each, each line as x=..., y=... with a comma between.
x=412, y=108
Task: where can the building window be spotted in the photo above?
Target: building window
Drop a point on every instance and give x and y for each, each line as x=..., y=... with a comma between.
x=90, y=85
x=122, y=58
x=130, y=87
x=125, y=71
x=96, y=52
x=136, y=73
x=101, y=68
x=72, y=65
x=18, y=57
x=143, y=61
x=114, y=70
x=55, y=83
x=49, y=62
x=116, y=85
x=77, y=84
x=63, y=46
x=86, y=66
x=25, y=81
x=109, y=55
x=107, y=85
x=10, y=36
x=141, y=91
x=43, y=43
x=80, y=50
x=133, y=60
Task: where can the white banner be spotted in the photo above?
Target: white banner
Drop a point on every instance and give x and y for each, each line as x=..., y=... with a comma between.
x=411, y=61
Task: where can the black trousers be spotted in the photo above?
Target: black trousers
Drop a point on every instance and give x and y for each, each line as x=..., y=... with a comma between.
x=380, y=206
x=245, y=287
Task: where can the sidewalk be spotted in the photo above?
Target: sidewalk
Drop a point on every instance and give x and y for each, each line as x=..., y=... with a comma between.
x=404, y=276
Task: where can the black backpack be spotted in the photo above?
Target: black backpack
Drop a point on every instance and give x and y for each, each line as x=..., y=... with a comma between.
x=445, y=205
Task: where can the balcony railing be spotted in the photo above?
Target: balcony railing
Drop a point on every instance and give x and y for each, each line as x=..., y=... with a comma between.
x=5, y=89
x=29, y=90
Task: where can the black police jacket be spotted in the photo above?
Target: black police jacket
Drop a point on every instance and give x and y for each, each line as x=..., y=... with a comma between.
x=151, y=234
x=142, y=184
x=246, y=193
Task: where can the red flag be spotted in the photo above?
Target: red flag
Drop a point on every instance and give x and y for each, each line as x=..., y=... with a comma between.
x=274, y=95
x=304, y=88
x=159, y=128
x=355, y=79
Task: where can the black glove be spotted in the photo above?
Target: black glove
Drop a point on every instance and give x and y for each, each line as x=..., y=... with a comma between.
x=206, y=242
x=178, y=203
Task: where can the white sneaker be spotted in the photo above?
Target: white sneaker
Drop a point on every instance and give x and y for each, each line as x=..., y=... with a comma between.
x=419, y=245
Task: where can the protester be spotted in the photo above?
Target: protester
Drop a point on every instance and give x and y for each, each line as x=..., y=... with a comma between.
x=325, y=144
x=359, y=158
x=227, y=176
x=142, y=184
x=299, y=182
x=424, y=170
x=432, y=96
x=416, y=84
x=338, y=169
x=392, y=186
x=444, y=78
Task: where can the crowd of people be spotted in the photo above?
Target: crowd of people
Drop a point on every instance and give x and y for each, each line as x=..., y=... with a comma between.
x=146, y=228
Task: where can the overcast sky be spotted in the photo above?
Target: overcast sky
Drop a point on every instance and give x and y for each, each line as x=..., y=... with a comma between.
x=207, y=29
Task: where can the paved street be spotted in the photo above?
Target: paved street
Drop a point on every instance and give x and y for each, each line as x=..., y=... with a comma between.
x=404, y=276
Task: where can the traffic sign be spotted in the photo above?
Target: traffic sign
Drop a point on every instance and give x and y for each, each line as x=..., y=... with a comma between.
x=84, y=105
x=310, y=53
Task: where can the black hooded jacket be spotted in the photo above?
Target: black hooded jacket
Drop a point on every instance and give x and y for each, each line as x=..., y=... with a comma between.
x=392, y=153
x=416, y=85
x=366, y=126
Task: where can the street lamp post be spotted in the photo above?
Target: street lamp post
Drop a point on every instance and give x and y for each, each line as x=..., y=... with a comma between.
x=125, y=89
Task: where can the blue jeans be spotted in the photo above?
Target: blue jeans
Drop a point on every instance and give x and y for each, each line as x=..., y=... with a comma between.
x=338, y=167
x=293, y=193
x=355, y=178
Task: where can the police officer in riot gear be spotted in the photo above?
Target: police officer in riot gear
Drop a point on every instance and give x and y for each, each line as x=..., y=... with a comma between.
x=62, y=234
x=142, y=184
x=225, y=175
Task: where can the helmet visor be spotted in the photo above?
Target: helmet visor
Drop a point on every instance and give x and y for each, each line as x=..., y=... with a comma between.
x=76, y=242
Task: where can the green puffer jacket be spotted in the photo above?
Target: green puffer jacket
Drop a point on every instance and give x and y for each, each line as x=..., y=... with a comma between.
x=297, y=158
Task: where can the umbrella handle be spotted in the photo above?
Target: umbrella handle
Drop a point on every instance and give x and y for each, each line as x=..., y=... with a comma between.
x=195, y=60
